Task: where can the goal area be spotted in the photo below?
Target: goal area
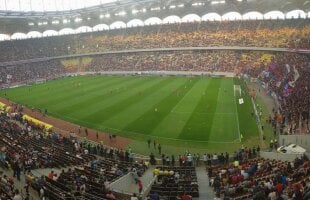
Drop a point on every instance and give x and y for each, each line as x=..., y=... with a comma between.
x=237, y=90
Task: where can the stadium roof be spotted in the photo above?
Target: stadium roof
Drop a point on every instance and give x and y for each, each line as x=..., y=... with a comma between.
x=35, y=8
x=40, y=15
x=49, y=5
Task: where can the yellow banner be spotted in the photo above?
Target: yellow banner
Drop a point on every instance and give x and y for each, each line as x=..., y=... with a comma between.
x=8, y=108
x=37, y=122
x=4, y=106
x=1, y=105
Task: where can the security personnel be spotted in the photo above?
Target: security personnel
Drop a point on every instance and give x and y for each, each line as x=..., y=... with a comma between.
x=275, y=144
x=271, y=144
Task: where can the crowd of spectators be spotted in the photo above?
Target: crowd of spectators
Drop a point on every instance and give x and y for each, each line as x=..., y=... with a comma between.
x=31, y=72
x=262, y=179
x=286, y=76
x=282, y=74
x=224, y=61
x=259, y=33
x=175, y=182
x=90, y=181
x=8, y=190
x=26, y=146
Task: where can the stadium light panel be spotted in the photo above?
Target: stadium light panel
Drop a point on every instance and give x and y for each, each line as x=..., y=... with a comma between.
x=134, y=11
x=143, y=10
x=55, y=22
x=181, y=5
x=122, y=13
x=65, y=21
x=217, y=2
x=107, y=15
x=101, y=16
x=172, y=7
x=198, y=4
x=31, y=24
x=40, y=24
x=77, y=19
x=88, y=18
x=156, y=8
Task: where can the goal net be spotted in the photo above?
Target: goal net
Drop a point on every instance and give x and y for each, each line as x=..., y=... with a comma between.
x=237, y=90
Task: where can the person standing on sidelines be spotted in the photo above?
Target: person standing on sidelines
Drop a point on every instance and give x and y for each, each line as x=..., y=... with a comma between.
x=140, y=186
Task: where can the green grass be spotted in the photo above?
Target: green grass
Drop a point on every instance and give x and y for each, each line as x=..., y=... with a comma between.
x=191, y=112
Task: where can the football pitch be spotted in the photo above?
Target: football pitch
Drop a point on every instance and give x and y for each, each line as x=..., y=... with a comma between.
x=198, y=111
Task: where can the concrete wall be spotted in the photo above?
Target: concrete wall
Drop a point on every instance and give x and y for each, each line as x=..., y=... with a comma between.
x=279, y=156
x=121, y=186
x=301, y=140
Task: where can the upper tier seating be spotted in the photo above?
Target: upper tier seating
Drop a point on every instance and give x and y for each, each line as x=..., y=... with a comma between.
x=292, y=33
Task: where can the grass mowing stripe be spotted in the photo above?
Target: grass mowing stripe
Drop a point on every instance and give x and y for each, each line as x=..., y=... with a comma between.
x=98, y=111
x=198, y=126
x=56, y=94
x=91, y=97
x=41, y=96
x=237, y=118
x=99, y=100
x=137, y=97
x=225, y=104
x=136, y=110
x=22, y=91
x=164, y=131
x=75, y=90
x=181, y=112
x=151, y=118
x=248, y=126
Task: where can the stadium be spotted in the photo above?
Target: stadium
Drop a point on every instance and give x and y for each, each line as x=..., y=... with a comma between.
x=154, y=99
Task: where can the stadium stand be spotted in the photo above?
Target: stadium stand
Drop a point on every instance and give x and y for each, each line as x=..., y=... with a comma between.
x=174, y=182
x=259, y=33
x=284, y=74
x=89, y=181
x=88, y=168
x=26, y=147
x=261, y=179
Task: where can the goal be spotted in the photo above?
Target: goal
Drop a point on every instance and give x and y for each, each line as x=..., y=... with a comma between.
x=237, y=90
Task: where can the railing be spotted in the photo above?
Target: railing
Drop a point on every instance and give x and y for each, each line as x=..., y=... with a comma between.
x=238, y=48
x=148, y=187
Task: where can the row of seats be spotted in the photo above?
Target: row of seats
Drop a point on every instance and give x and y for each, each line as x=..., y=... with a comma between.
x=260, y=179
x=39, y=151
x=173, y=182
x=259, y=33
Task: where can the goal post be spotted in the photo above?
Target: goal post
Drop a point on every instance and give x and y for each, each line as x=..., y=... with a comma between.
x=237, y=90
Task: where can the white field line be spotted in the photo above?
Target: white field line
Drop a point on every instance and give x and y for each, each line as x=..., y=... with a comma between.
x=237, y=117
x=236, y=114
